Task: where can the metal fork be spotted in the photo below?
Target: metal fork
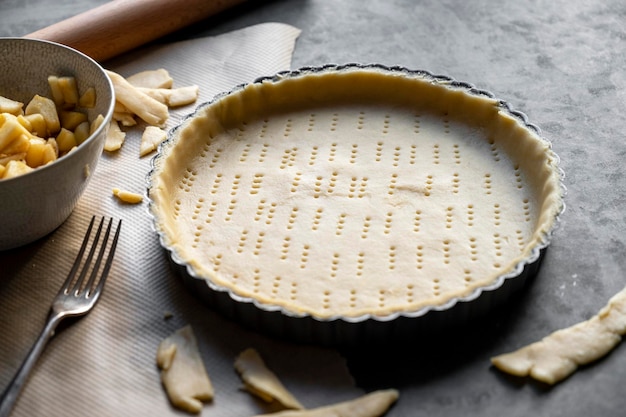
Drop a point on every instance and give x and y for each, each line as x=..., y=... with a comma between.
x=75, y=298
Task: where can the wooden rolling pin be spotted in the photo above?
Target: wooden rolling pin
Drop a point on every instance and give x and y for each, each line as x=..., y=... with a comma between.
x=121, y=25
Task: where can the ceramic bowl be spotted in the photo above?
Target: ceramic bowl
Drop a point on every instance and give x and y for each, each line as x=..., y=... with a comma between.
x=34, y=204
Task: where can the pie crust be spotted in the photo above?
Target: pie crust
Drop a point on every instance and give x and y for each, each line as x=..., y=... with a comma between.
x=355, y=192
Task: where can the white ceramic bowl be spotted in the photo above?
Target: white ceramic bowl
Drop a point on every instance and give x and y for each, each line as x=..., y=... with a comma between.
x=35, y=204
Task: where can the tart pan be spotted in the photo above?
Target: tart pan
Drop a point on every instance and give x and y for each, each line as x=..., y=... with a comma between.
x=342, y=204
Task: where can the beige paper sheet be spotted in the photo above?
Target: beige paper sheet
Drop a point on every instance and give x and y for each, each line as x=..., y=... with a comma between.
x=104, y=364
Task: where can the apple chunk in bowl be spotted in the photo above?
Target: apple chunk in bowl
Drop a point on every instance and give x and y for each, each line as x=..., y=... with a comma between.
x=38, y=200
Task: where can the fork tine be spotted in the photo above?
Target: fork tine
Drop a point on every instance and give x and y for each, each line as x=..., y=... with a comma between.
x=96, y=267
x=83, y=273
x=107, y=265
x=77, y=261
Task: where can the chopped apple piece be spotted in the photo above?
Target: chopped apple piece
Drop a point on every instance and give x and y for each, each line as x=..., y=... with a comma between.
x=15, y=169
x=48, y=110
x=10, y=106
x=81, y=132
x=25, y=122
x=5, y=159
x=34, y=155
x=71, y=118
x=95, y=124
x=19, y=145
x=69, y=89
x=10, y=130
x=55, y=90
x=88, y=99
x=66, y=140
x=51, y=151
x=37, y=124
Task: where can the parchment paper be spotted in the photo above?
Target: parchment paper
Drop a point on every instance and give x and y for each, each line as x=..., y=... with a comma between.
x=104, y=364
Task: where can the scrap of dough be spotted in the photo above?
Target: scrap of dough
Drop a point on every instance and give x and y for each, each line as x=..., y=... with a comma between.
x=115, y=137
x=182, y=371
x=126, y=119
x=373, y=404
x=151, y=137
x=173, y=97
x=558, y=355
x=158, y=78
x=144, y=106
x=261, y=381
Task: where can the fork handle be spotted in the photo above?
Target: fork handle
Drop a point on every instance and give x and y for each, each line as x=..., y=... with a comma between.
x=13, y=390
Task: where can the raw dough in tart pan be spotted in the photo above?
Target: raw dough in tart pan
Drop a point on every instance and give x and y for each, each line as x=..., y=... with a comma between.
x=355, y=192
